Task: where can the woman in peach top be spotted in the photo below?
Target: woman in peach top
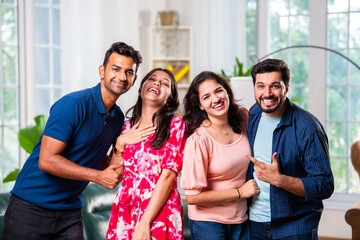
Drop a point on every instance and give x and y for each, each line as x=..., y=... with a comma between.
x=215, y=162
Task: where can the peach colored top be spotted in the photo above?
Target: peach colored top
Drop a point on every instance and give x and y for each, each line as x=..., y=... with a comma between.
x=209, y=165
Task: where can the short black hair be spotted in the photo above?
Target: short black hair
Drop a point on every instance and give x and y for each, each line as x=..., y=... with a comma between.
x=123, y=49
x=272, y=65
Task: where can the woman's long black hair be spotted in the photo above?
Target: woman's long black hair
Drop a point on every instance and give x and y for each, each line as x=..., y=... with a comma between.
x=163, y=116
x=194, y=116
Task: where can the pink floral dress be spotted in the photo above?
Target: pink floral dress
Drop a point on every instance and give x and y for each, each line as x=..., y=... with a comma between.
x=142, y=169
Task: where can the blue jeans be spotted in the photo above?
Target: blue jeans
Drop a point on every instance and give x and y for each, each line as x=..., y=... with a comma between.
x=218, y=231
x=262, y=231
x=24, y=220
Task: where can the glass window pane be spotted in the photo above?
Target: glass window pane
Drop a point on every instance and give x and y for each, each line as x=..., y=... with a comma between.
x=11, y=105
x=42, y=25
x=11, y=146
x=42, y=67
x=299, y=30
x=354, y=104
x=354, y=132
x=8, y=26
x=337, y=138
x=57, y=66
x=354, y=180
x=279, y=32
x=299, y=7
x=56, y=26
x=9, y=61
x=337, y=102
x=337, y=68
x=8, y=1
x=354, y=72
x=354, y=30
x=299, y=95
x=338, y=167
x=283, y=55
x=43, y=101
x=279, y=7
x=1, y=113
x=354, y=5
x=299, y=65
x=337, y=30
x=251, y=32
x=56, y=2
x=338, y=5
x=42, y=1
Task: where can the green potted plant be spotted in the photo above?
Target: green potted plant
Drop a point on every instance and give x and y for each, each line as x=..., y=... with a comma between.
x=241, y=83
x=28, y=138
x=238, y=70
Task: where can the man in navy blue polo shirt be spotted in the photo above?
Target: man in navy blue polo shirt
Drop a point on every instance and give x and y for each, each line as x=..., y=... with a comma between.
x=46, y=201
x=291, y=163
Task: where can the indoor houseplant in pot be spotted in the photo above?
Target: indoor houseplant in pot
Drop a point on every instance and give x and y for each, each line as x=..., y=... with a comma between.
x=242, y=84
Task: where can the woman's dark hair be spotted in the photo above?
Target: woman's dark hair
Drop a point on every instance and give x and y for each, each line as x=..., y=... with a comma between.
x=123, y=49
x=272, y=65
x=194, y=116
x=163, y=116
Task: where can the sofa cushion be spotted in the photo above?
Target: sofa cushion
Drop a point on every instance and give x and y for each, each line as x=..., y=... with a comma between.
x=4, y=201
x=97, y=209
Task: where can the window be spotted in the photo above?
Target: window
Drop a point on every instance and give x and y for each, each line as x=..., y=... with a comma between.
x=343, y=87
x=44, y=27
x=47, y=54
x=250, y=32
x=9, y=88
x=289, y=26
x=334, y=96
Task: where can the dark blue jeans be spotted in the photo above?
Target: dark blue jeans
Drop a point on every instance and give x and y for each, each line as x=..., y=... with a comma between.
x=218, y=231
x=24, y=220
x=262, y=231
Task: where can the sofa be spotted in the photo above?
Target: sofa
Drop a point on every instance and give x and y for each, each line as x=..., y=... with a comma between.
x=97, y=207
x=352, y=217
x=4, y=201
x=96, y=212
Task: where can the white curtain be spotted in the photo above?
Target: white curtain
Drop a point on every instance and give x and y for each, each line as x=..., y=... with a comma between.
x=88, y=28
x=219, y=34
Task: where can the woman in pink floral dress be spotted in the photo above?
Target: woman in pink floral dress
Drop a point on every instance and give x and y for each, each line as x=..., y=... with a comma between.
x=148, y=205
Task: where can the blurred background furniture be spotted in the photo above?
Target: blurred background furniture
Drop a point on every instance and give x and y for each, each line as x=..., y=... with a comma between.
x=97, y=209
x=352, y=217
x=4, y=201
x=96, y=212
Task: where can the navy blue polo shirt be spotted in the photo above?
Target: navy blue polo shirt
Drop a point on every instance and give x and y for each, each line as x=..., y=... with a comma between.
x=79, y=120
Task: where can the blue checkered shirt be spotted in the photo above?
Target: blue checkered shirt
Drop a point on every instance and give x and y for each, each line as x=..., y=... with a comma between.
x=303, y=152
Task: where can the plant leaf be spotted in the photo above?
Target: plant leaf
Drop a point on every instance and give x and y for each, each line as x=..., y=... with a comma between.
x=11, y=176
x=224, y=74
x=29, y=136
x=248, y=72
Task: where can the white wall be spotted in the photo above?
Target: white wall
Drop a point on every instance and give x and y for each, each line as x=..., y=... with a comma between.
x=333, y=224
x=89, y=27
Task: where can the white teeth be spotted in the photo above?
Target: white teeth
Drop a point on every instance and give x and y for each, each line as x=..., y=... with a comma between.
x=268, y=100
x=218, y=105
x=153, y=90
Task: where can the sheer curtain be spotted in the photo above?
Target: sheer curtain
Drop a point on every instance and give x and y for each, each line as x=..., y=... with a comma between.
x=88, y=28
x=219, y=34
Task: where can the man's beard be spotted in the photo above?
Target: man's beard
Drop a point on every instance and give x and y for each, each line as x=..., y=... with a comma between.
x=270, y=110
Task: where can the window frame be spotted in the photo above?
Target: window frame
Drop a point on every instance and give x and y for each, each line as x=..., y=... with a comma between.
x=317, y=79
